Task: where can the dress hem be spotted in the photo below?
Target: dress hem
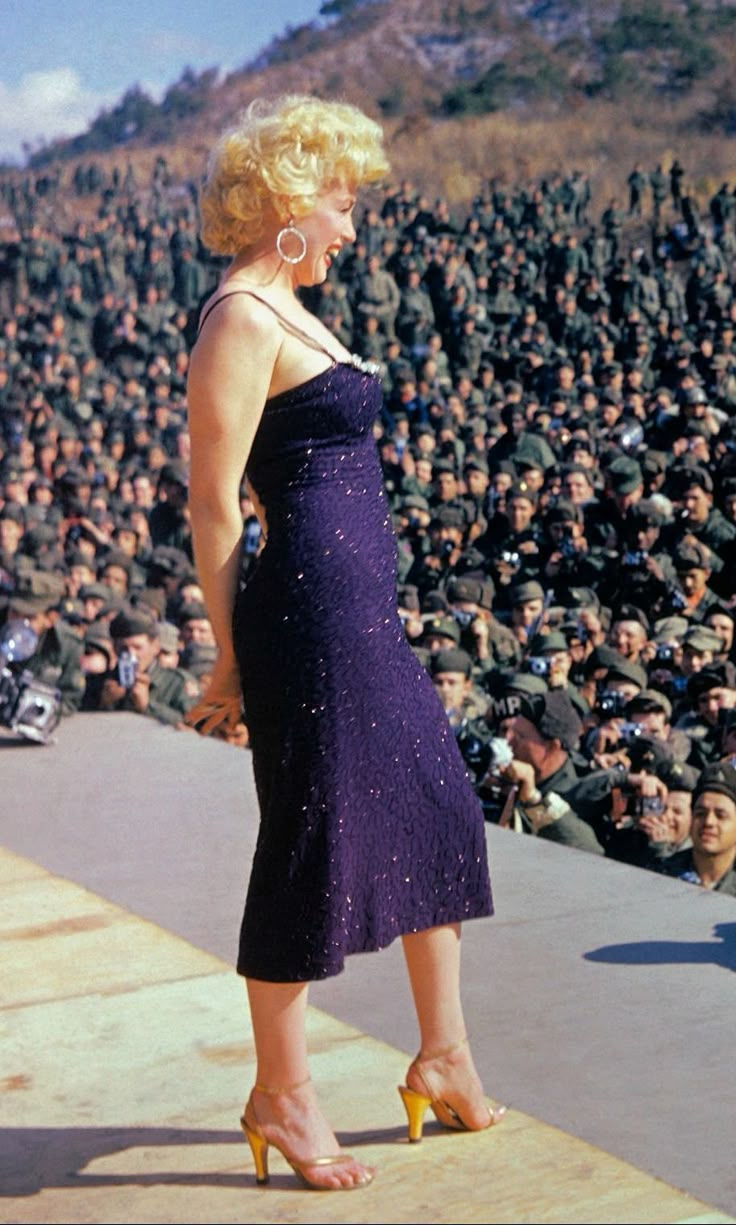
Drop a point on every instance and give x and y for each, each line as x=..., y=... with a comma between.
x=334, y=968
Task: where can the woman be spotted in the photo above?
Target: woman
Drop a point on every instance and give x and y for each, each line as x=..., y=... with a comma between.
x=369, y=829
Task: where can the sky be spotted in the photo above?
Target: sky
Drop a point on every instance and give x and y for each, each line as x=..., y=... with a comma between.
x=62, y=61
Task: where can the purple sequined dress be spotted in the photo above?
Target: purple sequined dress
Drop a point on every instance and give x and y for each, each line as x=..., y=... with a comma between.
x=369, y=827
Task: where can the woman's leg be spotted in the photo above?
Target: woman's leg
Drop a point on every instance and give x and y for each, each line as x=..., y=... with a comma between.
x=433, y=962
x=284, y=1104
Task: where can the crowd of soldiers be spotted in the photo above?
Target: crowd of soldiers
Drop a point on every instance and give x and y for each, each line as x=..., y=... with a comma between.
x=558, y=442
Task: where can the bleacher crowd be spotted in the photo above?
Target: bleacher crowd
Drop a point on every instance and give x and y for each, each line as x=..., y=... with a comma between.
x=558, y=441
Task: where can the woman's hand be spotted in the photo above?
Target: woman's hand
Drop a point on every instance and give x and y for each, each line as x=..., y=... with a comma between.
x=219, y=712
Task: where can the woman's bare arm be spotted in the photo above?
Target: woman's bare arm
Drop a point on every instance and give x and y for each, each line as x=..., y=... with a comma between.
x=228, y=383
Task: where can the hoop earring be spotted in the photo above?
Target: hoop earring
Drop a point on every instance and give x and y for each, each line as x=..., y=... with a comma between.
x=288, y=232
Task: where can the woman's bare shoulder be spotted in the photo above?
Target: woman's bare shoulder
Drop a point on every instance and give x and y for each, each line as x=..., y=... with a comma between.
x=236, y=310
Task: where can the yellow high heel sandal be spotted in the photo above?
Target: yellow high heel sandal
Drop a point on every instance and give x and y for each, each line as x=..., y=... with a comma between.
x=416, y=1104
x=259, y=1148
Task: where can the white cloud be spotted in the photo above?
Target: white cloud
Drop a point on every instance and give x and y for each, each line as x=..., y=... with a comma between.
x=44, y=105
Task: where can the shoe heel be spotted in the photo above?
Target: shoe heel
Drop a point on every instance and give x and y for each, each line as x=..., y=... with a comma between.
x=415, y=1105
x=259, y=1149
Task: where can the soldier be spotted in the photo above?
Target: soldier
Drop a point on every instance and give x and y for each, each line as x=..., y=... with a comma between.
x=658, y=184
x=145, y=687
x=56, y=660
x=710, y=861
x=637, y=182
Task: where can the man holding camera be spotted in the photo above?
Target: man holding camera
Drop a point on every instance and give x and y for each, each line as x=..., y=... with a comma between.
x=138, y=682
x=56, y=659
x=542, y=735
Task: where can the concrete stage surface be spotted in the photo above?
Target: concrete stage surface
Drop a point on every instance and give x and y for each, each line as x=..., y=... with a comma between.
x=598, y=1000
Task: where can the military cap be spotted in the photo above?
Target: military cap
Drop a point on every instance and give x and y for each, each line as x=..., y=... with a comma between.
x=174, y=472
x=521, y=490
x=130, y=621
x=71, y=611
x=95, y=591
x=624, y=670
x=695, y=395
x=502, y=466
x=718, y=776
x=29, y=605
x=444, y=627
x=555, y=640
x=624, y=475
x=193, y=610
x=695, y=474
x=435, y=603
x=631, y=612
x=199, y=658
x=649, y=753
x=700, y=638
x=678, y=776
x=472, y=591
x=14, y=512
x=39, y=536
x=714, y=676
x=653, y=462
x=691, y=556
x=521, y=593
x=449, y=516
x=42, y=584
x=168, y=560
x=414, y=501
x=151, y=600
x=476, y=462
x=648, y=698
x=453, y=660
x=670, y=629
x=563, y=511
x=168, y=636
x=582, y=597
x=554, y=716
x=524, y=458
x=646, y=513
x=526, y=682
x=97, y=638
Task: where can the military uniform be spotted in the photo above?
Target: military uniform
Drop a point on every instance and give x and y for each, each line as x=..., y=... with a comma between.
x=681, y=866
x=56, y=662
x=172, y=692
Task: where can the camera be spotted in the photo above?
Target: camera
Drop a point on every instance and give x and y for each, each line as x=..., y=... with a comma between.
x=538, y=665
x=634, y=558
x=647, y=806
x=463, y=617
x=630, y=732
x=485, y=759
x=665, y=653
x=611, y=703
x=676, y=599
x=510, y=558
x=251, y=536
x=567, y=546
x=28, y=706
x=127, y=669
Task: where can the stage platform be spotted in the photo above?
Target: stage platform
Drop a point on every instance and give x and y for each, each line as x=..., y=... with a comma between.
x=598, y=1000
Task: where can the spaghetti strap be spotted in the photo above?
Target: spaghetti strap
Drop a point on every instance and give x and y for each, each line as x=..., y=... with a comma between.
x=285, y=323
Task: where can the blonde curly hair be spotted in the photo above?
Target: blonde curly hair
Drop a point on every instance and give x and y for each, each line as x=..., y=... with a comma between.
x=276, y=161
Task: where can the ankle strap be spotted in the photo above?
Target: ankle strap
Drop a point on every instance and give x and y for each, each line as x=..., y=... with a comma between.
x=446, y=1050
x=286, y=1088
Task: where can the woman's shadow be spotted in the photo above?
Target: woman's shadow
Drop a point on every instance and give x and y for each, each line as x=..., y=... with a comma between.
x=720, y=951
x=34, y=1159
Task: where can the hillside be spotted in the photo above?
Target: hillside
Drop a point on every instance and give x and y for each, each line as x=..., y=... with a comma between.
x=473, y=88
